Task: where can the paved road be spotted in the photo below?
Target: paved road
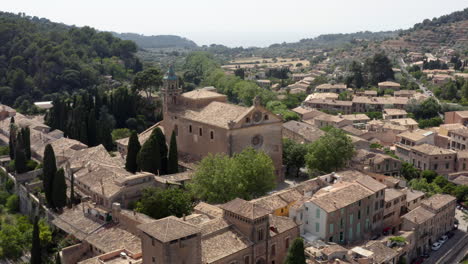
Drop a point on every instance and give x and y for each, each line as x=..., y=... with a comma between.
x=425, y=90
x=450, y=250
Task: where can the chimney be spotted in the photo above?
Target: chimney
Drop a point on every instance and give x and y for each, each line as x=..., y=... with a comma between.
x=183, y=217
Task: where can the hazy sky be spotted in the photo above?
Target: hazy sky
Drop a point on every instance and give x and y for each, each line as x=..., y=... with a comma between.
x=237, y=22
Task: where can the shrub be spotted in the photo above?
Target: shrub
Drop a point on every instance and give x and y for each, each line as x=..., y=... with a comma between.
x=31, y=165
x=12, y=203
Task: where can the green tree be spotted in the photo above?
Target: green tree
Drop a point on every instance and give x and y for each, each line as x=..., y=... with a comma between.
x=11, y=242
x=12, y=139
x=461, y=192
x=12, y=204
x=148, y=159
x=379, y=69
x=161, y=140
x=330, y=152
x=429, y=175
x=148, y=81
x=132, y=153
x=296, y=252
x=92, y=129
x=26, y=141
x=293, y=155
x=159, y=203
x=36, y=244
x=20, y=160
x=59, y=194
x=246, y=175
x=49, y=170
x=409, y=172
x=173, y=157
x=105, y=127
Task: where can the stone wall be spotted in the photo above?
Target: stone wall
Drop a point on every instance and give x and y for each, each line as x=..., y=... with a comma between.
x=73, y=254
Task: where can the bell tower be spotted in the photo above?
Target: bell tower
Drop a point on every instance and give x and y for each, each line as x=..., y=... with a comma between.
x=170, y=90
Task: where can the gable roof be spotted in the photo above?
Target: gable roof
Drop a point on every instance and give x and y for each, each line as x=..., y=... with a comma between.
x=168, y=229
x=245, y=208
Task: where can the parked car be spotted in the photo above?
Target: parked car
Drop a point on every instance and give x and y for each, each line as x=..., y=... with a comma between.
x=443, y=239
x=436, y=246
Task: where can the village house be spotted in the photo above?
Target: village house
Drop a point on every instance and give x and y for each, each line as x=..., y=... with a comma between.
x=279, y=203
x=459, y=178
x=408, y=139
x=394, y=114
x=331, y=88
x=460, y=117
x=300, y=76
x=311, y=96
x=6, y=112
x=404, y=93
x=359, y=120
x=204, y=123
x=329, y=120
x=413, y=198
x=459, y=139
x=306, y=113
x=430, y=157
x=409, y=123
x=389, y=85
x=347, y=211
x=301, y=132
x=245, y=233
x=362, y=104
x=266, y=84
x=432, y=219
x=440, y=79
x=376, y=162
x=338, y=106
x=395, y=206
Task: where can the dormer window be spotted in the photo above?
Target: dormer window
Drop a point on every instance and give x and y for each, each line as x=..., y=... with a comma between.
x=247, y=120
x=266, y=117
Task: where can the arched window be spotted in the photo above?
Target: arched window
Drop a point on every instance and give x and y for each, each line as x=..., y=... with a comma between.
x=273, y=250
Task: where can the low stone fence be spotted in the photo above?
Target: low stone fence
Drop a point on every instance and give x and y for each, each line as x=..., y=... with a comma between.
x=28, y=176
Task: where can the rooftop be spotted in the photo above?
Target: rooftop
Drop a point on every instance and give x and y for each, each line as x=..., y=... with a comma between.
x=416, y=135
x=339, y=196
x=382, y=253
x=202, y=94
x=433, y=150
x=438, y=201
x=308, y=131
x=245, y=208
x=418, y=215
x=413, y=194
x=168, y=229
x=332, y=86
x=391, y=194
x=393, y=84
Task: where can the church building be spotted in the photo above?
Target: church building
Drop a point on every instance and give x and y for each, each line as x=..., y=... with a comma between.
x=204, y=122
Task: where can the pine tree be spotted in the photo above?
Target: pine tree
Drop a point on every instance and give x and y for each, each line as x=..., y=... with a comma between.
x=49, y=170
x=148, y=158
x=36, y=243
x=12, y=139
x=26, y=136
x=161, y=140
x=173, y=160
x=59, y=194
x=134, y=147
x=20, y=160
x=92, y=129
x=296, y=253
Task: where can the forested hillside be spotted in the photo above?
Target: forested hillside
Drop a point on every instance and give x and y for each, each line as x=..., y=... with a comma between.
x=39, y=58
x=157, y=42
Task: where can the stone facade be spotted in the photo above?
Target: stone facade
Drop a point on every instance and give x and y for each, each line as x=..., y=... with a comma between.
x=204, y=123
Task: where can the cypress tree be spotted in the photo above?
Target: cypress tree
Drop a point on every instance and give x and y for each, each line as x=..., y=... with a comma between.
x=92, y=129
x=36, y=243
x=148, y=158
x=26, y=136
x=173, y=160
x=57, y=259
x=161, y=140
x=49, y=170
x=134, y=147
x=72, y=191
x=296, y=253
x=59, y=194
x=20, y=160
x=12, y=140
